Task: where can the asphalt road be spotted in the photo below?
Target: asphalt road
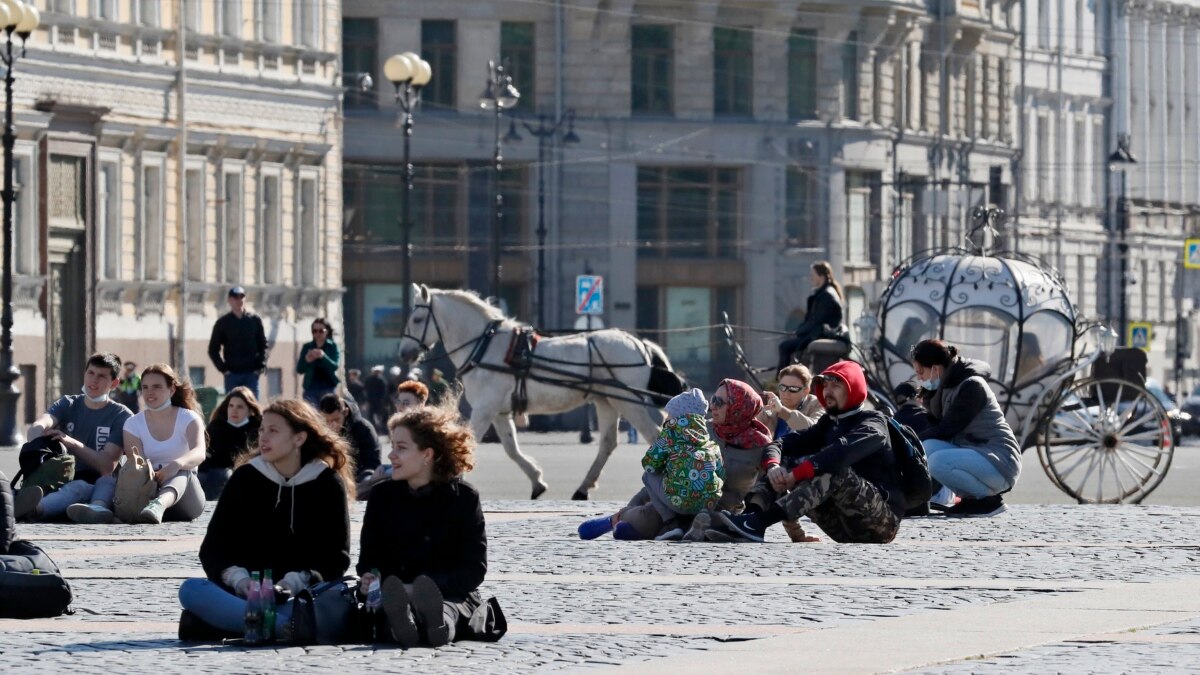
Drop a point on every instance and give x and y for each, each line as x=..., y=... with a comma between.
x=565, y=461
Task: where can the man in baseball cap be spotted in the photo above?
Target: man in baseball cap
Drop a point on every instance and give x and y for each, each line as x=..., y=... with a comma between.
x=238, y=346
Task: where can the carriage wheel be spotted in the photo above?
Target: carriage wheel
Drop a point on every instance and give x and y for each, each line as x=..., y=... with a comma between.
x=1106, y=441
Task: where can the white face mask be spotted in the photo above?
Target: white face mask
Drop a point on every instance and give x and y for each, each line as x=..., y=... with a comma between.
x=239, y=425
x=102, y=398
x=162, y=407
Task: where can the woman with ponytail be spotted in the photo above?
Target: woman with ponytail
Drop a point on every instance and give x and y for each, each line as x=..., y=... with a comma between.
x=824, y=310
x=286, y=510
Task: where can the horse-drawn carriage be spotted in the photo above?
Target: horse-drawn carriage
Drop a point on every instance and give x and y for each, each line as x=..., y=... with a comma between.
x=1101, y=436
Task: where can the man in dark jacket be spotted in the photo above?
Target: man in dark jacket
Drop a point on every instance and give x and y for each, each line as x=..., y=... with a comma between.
x=845, y=478
x=377, y=398
x=238, y=346
x=364, y=444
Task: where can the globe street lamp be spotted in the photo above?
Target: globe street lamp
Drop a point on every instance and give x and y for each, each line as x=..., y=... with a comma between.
x=409, y=73
x=22, y=19
x=545, y=132
x=499, y=95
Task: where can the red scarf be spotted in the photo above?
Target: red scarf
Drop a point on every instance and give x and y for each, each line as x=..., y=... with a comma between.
x=741, y=427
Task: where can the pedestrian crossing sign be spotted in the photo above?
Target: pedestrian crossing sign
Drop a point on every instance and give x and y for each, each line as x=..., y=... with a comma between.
x=1191, y=254
x=589, y=294
x=1140, y=334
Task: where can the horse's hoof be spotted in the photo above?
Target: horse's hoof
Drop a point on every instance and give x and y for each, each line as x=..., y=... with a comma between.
x=580, y=496
x=538, y=490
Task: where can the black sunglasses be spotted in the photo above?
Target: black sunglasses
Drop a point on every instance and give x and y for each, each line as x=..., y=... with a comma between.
x=718, y=402
x=790, y=388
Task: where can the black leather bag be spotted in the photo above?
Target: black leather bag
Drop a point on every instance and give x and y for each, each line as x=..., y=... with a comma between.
x=325, y=613
x=25, y=594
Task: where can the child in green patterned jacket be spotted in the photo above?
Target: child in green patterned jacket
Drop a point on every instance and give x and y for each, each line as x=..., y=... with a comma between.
x=684, y=476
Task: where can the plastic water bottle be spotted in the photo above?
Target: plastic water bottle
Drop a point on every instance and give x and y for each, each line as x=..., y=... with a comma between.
x=374, y=603
x=254, y=615
x=268, y=606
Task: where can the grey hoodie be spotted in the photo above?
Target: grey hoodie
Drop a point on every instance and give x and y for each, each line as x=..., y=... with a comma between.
x=966, y=414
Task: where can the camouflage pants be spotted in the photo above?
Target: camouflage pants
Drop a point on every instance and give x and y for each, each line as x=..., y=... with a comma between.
x=846, y=507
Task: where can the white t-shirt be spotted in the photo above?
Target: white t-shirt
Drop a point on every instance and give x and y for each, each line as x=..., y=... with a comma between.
x=159, y=453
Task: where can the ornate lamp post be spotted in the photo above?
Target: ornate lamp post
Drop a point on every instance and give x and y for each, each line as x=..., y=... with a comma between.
x=545, y=132
x=499, y=95
x=409, y=73
x=1121, y=161
x=19, y=18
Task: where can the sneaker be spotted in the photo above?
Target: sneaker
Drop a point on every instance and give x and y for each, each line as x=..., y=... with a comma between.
x=397, y=609
x=427, y=606
x=978, y=508
x=90, y=514
x=745, y=527
x=943, y=498
x=596, y=527
x=701, y=523
x=152, y=514
x=26, y=503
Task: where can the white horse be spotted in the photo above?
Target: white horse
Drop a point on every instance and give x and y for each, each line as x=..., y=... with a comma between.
x=460, y=319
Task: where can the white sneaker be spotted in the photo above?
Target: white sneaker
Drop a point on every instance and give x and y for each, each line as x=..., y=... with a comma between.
x=89, y=514
x=943, y=498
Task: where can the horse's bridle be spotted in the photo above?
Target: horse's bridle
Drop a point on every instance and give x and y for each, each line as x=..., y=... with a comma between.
x=432, y=319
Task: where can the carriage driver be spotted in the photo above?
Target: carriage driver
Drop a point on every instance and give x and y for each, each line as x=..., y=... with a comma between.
x=844, y=476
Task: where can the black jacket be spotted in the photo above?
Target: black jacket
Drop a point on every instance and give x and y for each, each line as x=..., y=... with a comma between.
x=855, y=440
x=226, y=443
x=437, y=531
x=376, y=388
x=363, y=441
x=244, y=343
x=824, y=309
x=261, y=524
x=915, y=416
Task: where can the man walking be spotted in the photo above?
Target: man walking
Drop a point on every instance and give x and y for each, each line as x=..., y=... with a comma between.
x=238, y=347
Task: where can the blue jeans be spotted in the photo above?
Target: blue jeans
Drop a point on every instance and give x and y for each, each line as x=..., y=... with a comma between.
x=964, y=470
x=248, y=380
x=221, y=609
x=54, y=505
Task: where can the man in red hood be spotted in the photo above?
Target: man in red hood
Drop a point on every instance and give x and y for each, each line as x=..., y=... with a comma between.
x=840, y=472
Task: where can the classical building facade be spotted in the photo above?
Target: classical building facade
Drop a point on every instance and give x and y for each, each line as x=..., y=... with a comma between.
x=724, y=147
x=124, y=244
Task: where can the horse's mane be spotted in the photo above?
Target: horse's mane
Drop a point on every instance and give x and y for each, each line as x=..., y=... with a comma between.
x=472, y=298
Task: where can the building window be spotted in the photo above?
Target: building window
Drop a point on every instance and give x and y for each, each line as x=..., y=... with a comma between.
x=63, y=6
x=360, y=54
x=850, y=77
x=308, y=232
x=439, y=47
x=802, y=75
x=438, y=222
x=148, y=12
x=1002, y=103
x=517, y=54
x=652, y=64
x=514, y=189
x=1099, y=154
x=105, y=9
x=267, y=20
x=269, y=234
x=152, y=226
x=985, y=104
x=1045, y=190
x=800, y=228
x=688, y=212
x=1082, y=166
x=1081, y=33
x=194, y=203
x=863, y=225
x=308, y=22
x=25, y=230
x=733, y=67
x=108, y=217
x=193, y=14
x=967, y=78
x=231, y=17
x=231, y=250
x=1043, y=15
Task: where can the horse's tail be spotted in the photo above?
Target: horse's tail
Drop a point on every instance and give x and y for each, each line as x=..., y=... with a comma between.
x=663, y=378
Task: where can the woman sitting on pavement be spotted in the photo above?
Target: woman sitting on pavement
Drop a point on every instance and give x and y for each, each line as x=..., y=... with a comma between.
x=424, y=536
x=285, y=510
x=232, y=431
x=794, y=408
x=169, y=433
x=683, y=477
x=971, y=449
x=409, y=395
x=735, y=408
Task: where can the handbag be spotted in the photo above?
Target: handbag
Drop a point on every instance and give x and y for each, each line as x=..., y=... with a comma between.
x=135, y=488
x=324, y=613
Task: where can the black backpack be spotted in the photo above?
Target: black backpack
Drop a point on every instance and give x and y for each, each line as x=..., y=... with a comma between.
x=31, y=587
x=915, y=480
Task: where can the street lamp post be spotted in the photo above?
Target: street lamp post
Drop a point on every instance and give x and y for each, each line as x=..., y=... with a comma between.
x=1120, y=161
x=545, y=132
x=19, y=18
x=409, y=73
x=500, y=95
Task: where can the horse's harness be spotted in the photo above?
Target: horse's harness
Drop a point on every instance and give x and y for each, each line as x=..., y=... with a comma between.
x=519, y=361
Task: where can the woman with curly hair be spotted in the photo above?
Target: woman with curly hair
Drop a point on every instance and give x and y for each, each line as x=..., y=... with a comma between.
x=232, y=431
x=423, y=535
x=285, y=510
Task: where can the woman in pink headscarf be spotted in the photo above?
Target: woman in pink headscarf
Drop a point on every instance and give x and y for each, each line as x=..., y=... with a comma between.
x=735, y=408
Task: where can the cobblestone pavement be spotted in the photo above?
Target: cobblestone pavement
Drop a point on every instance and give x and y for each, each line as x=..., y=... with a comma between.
x=574, y=604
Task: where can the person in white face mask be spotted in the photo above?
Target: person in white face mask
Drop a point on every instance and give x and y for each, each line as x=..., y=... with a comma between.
x=232, y=431
x=90, y=425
